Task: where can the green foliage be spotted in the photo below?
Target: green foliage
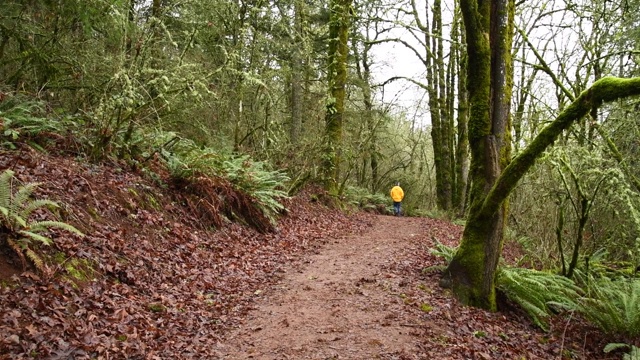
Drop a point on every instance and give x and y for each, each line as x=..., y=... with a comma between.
x=16, y=208
x=20, y=117
x=537, y=292
x=256, y=180
x=263, y=186
x=367, y=201
x=444, y=251
x=634, y=354
x=447, y=252
x=613, y=305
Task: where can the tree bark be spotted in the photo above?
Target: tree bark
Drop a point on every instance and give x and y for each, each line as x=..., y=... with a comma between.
x=489, y=32
x=297, y=70
x=339, y=23
x=462, y=146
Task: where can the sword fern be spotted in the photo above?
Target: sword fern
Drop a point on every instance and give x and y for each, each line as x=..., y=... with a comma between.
x=16, y=225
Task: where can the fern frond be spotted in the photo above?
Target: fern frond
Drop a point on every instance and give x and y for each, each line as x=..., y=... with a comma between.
x=29, y=235
x=613, y=306
x=4, y=212
x=18, y=250
x=33, y=205
x=35, y=259
x=5, y=188
x=447, y=252
x=21, y=197
x=14, y=221
x=633, y=355
x=537, y=292
x=39, y=226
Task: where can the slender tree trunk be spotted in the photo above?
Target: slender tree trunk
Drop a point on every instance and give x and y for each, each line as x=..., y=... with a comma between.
x=297, y=68
x=462, y=147
x=339, y=23
x=364, y=73
x=441, y=131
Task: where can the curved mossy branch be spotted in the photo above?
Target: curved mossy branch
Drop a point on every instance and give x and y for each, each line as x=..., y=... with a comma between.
x=423, y=86
x=604, y=90
x=610, y=144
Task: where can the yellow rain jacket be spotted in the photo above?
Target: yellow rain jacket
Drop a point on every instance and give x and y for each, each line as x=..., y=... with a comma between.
x=397, y=194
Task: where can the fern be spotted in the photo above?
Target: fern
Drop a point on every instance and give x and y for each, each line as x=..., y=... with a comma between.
x=363, y=199
x=251, y=178
x=537, y=293
x=16, y=207
x=5, y=190
x=442, y=250
x=21, y=117
x=613, y=305
x=634, y=354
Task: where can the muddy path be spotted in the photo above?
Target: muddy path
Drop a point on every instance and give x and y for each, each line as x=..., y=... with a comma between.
x=341, y=303
x=368, y=296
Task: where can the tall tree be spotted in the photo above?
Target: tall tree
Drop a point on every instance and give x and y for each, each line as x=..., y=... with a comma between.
x=339, y=23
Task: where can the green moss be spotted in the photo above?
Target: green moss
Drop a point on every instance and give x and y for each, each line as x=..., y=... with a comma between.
x=94, y=213
x=426, y=307
x=479, y=334
x=77, y=269
x=156, y=307
x=468, y=266
x=153, y=203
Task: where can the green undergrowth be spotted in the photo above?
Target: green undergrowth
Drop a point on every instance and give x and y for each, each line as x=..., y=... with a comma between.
x=236, y=185
x=363, y=199
x=242, y=188
x=611, y=303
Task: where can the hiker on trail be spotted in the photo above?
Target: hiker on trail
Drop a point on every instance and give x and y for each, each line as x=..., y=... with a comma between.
x=397, y=194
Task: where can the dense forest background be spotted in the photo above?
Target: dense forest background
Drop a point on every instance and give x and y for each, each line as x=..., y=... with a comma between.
x=273, y=95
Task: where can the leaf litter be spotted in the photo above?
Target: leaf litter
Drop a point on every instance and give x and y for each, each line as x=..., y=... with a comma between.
x=158, y=283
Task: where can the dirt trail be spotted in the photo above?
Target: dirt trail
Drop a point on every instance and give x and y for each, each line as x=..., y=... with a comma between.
x=341, y=304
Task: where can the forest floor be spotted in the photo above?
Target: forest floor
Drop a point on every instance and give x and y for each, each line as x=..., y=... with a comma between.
x=152, y=280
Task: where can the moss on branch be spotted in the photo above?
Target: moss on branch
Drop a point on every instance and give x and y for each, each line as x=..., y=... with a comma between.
x=604, y=90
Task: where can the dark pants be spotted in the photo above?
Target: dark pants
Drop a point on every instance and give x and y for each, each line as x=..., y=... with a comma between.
x=396, y=208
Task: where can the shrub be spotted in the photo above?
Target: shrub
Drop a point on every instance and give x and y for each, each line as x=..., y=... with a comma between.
x=242, y=187
x=363, y=199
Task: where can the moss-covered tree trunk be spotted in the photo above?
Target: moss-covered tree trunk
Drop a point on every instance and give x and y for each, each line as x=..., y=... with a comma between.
x=489, y=32
x=462, y=147
x=441, y=129
x=339, y=22
x=297, y=72
x=471, y=273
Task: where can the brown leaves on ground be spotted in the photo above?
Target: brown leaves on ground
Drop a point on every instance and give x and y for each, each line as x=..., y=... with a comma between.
x=149, y=281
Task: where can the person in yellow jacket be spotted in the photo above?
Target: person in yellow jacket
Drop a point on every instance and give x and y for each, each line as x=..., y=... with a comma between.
x=397, y=194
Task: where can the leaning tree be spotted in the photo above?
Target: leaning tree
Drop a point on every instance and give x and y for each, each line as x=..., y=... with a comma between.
x=489, y=33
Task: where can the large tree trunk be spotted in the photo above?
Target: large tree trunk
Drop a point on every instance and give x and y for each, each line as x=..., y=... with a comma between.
x=339, y=22
x=489, y=30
